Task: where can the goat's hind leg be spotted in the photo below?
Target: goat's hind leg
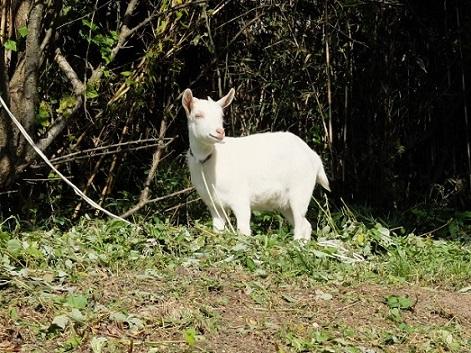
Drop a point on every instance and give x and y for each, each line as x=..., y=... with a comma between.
x=302, y=227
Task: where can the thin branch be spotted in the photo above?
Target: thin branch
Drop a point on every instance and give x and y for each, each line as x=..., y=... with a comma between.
x=56, y=128
x=106, y=153
x=126, y=32
x=156, y=158
x=114, y=165
x=173, y=194
x=77, y=84
x=8, y=192
x=182, y=204
x=84, y=16
x=70, y=156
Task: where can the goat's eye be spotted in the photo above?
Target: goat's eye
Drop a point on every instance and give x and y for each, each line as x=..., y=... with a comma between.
x=198, y=116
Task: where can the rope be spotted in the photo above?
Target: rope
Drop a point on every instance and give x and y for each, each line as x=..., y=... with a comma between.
x=213, y=204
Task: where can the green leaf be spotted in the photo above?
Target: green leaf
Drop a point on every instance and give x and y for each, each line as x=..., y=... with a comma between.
x=403, y=303
x=52, y=175
x=60, y=322
x=72, y=343
x=44, y=113
x=77, y=301
x=13, y=313
x=10, y=45
x=65, y=105
x=23, y=31
x=91, y=93
x=89, y=24
x=162, y=26
x=76, y=315
x=118, y=316
x=14, y=246
x=190, y=336
x=97, y=344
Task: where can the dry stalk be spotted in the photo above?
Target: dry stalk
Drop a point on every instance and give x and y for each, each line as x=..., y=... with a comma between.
x=144, y=197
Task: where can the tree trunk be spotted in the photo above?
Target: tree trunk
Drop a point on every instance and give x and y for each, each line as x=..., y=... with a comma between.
x=20, y=91
x=7, y=154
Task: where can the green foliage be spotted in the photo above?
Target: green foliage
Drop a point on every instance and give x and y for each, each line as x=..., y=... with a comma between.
x=44, y=114
x=23, y=31
x=399, y=302
x=65, y=105
x=10, y=45
x=99, y=285
x=104, y=41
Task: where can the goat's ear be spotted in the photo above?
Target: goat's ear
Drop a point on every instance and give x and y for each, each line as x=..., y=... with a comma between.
x=187, y=98
x=227, y=99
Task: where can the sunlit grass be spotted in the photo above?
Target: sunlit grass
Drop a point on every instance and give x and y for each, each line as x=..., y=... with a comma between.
x=105, y=286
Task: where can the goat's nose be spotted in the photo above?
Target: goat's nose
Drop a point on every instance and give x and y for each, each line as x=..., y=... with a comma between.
x=220, y=131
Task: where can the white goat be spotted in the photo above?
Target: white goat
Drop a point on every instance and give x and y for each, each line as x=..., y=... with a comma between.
x=264, y=171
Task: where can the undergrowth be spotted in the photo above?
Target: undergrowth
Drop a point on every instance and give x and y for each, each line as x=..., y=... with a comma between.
x=102, y=286
x=343, y=247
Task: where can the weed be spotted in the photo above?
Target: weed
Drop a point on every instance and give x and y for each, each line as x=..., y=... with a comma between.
x=107, y=287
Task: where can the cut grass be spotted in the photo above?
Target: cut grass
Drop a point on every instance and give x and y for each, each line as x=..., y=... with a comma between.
x=106, y=287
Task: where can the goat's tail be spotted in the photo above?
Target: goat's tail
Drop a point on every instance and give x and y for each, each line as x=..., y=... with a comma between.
x=322, y=178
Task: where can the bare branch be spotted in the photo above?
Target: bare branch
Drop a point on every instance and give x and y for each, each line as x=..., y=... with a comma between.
x=144, y=197
x=77, y=84
x=191, y=188
x=71, y=156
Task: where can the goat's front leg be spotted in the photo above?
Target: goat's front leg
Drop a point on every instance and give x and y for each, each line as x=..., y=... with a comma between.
x=242, y=214
x=219, y=222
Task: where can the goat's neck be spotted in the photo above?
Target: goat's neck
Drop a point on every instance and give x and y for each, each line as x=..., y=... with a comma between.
x=199, y=150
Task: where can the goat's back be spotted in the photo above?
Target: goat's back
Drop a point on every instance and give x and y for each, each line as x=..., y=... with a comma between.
x=278, y=155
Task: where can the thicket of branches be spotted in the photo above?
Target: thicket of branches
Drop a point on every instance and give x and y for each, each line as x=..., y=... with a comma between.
x=378, y=88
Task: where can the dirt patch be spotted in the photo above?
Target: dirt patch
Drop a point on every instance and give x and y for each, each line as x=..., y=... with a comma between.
x=233, y=312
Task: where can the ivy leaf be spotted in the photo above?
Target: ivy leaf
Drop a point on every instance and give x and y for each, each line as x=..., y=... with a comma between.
x=10, y=45
x=23, y=31
x=76, y=315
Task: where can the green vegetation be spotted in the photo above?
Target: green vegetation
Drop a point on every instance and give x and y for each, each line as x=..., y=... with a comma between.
x=106, y=287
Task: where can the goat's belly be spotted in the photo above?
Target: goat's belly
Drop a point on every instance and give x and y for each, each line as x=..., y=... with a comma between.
x=269, y=199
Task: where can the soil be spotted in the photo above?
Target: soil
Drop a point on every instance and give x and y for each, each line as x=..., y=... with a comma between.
x=235, y=312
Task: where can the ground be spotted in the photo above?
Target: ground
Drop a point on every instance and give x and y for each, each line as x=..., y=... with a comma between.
x=204, y=293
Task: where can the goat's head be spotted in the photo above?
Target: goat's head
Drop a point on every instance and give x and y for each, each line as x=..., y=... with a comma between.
x=205, y=122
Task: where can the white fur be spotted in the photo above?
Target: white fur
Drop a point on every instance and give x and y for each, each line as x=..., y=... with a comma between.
x=268, y=171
